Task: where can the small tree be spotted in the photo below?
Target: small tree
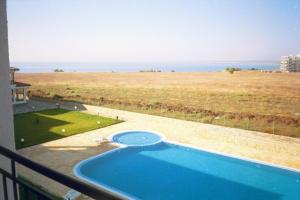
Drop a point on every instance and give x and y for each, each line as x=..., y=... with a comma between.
x=58, y=70
x=231, y=70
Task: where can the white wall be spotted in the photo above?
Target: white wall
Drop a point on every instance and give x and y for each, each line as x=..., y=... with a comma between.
x=298, y=63
x=6, y=114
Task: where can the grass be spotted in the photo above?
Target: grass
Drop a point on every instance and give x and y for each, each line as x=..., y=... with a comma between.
x=267, y=102
x=39, y=127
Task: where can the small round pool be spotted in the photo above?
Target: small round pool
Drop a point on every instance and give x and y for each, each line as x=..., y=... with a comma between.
x=136, y=138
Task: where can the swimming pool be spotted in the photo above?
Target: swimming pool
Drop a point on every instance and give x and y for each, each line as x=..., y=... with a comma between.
x=149, y=167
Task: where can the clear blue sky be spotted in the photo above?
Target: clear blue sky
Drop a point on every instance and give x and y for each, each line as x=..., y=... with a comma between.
x=152, y=30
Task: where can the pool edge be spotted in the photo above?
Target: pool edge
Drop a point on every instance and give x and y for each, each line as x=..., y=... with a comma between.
x=79, y=175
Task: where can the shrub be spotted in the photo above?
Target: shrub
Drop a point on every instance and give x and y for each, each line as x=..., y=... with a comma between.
x=56, y=96
x=58, y=70
x=253, y=69
x=231, y=70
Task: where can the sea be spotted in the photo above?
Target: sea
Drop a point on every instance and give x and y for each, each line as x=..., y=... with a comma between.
x=41, y=67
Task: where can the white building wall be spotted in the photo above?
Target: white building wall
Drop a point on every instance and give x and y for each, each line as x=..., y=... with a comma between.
x=297, y=63
x=6, y=113
x=290, y=64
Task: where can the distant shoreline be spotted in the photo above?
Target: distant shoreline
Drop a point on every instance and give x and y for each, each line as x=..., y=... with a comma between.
x=137, y=67
x=166, y=72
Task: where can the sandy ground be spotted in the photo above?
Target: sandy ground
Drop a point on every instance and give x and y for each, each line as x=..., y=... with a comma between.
x=63, y=154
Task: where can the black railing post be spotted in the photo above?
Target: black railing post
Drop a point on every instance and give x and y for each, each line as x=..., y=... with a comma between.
x=4, y=187
x=26, y=193
x=13, y=173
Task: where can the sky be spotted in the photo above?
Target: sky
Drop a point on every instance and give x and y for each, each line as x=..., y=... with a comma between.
x=152, y=30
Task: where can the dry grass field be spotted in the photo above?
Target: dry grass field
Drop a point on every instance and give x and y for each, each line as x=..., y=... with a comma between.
x=267, y=102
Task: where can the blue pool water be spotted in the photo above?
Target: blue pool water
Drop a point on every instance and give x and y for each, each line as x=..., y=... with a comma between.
x=136, y=138
x=168, y=171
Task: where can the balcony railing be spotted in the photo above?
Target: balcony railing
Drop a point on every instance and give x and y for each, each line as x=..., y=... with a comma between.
x=86, y=189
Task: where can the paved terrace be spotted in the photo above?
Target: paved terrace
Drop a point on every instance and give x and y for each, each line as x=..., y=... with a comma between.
x=64, y=153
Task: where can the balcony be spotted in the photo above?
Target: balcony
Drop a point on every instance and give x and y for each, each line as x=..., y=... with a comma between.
x=70, y=182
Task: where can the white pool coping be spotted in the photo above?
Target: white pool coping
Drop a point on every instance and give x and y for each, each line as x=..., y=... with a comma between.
x=161, y=138
x=77, y=172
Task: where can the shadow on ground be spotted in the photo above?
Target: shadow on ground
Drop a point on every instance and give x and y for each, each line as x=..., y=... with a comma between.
x=36, y=105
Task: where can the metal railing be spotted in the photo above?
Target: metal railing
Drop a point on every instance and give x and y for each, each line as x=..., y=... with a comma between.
x=86, y=189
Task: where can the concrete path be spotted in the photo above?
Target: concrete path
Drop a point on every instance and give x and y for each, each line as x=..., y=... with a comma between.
x=64, y=153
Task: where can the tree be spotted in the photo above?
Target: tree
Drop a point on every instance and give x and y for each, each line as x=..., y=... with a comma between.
x=231, y=70
x=58, y=70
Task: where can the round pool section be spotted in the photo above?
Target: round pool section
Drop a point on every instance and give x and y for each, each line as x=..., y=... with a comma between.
x=136, y=138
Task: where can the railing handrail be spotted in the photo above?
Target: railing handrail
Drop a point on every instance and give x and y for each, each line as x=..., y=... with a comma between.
x=84, y=188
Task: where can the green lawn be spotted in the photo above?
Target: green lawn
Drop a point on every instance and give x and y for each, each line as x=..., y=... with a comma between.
x=39, y=127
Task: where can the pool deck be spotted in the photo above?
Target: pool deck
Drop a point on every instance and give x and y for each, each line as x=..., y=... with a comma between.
x=63, y=154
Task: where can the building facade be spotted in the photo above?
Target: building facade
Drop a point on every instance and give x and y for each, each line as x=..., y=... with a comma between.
x=297, y=63
x=7, y=136
x=290, y=63
x=19, y=91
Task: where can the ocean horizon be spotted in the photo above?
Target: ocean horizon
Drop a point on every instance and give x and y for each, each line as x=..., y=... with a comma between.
x=39, y=67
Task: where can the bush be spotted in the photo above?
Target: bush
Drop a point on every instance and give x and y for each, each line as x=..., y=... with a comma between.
x=58, y=70
x=253, y=69
x=56, y=96
x=231, y=70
